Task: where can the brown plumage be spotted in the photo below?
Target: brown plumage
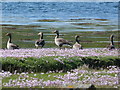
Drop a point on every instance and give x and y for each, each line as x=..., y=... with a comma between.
x=40, y=42
x=77, y=45
x=60, y=41
x=111, y=46
x=10, y=45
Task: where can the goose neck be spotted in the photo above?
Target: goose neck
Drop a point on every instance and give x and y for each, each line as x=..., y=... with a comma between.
x=41, y=36
x=77, y=40
x=57, y=35
x=112, y=43
x=9, y=40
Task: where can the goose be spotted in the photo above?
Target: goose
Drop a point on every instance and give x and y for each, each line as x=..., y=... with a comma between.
x=60, y=41
x=92, y=87
x=77, y=45
x=111, y=46
x=40, y=42
x=10, y=45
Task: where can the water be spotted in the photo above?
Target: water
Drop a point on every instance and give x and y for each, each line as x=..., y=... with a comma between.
x=64, y=16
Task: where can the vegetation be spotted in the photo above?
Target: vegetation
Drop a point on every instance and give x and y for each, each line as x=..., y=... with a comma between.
x=56, y=63
x=82, y=77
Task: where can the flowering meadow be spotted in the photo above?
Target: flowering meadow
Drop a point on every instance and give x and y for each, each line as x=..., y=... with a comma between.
x=55, y=68
x=77, y=78
x=57, y=52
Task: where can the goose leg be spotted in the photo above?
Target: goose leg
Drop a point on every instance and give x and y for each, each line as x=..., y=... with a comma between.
x=36, y=47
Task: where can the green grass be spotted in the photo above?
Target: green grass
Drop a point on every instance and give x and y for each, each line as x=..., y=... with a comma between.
x=45, y=76
x=13, y=77
x=48, y=63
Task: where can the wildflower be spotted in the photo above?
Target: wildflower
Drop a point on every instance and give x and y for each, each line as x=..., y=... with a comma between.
x=35, y=74
x=23, y=53
x=42, y=73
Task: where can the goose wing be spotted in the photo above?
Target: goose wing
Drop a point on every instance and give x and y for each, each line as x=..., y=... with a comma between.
x=14, y=46
x=40, y=42
x=62, y=40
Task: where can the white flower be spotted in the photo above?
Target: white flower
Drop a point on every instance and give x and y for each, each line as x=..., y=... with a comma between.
x=35, y=74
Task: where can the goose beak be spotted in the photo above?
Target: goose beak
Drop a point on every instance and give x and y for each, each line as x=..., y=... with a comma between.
x=40, y=33
x=112, y=35
x=7, y=34
x=55, y=31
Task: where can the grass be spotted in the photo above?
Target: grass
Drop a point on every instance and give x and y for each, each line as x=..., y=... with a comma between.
x=52, y=76
x=45, y=76
x=13, y=77
x=49, y=69
x=49, y=76
x=56, y=63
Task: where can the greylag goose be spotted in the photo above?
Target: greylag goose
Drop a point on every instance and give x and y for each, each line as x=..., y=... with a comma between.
x=10, y=45
x=77, y=45
x=92, y=87
x=111, y=46
x=40, y=42
x=60, y=41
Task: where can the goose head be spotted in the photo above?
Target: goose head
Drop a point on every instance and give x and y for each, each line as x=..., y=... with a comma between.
x=40, y=33
x=112, y=36
x=56, y=31
x=77, y=36
x=8, y=34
